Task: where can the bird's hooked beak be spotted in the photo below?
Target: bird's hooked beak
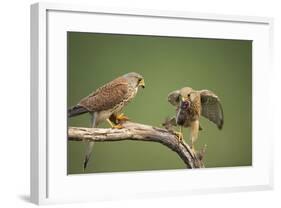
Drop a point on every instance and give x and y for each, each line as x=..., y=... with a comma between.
x=184, y=99
x=185, y=103
x=141, y=83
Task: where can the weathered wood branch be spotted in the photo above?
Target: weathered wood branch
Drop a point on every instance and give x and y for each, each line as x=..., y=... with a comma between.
x=138, y=132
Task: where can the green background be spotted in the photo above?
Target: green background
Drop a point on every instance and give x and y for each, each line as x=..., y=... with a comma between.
x=167, y=64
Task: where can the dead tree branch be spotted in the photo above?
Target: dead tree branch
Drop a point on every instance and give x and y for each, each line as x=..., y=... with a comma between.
x=138, y=132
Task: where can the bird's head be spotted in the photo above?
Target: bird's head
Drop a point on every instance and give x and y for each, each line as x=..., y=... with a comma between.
x=135, y=79
x=187, y=96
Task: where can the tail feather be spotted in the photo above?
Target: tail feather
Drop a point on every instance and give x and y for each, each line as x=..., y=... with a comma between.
x=90, y=144
x=76, y=110
x=89, y=151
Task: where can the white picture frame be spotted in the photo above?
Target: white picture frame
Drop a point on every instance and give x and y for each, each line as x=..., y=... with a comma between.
x=49, y=180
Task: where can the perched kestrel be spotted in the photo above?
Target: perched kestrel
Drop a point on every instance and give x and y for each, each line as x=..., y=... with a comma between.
x=190, y=105
x=107, y=101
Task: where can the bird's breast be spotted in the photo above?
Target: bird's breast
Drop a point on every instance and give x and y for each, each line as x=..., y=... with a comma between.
x=185, y=117
x=131, y=94
x=182, y=117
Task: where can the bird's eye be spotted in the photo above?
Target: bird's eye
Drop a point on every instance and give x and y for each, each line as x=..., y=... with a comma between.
x=140, y=79
x=188, y=95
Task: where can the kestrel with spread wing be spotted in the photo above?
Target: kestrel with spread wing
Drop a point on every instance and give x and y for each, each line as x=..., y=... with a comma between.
x=190, y=105
x=107, y=101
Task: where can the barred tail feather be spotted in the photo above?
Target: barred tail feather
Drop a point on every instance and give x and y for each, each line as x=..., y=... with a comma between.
x=89, y=151
x=76, y=110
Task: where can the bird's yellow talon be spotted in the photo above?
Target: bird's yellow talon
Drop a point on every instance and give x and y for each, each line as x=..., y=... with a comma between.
x=179, y=136
x=118, y=126
x=121, y=117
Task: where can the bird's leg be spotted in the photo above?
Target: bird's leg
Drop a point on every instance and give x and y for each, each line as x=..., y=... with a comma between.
x=117, y=126
x=179, y=135
x=121, y=118
x=194, y=133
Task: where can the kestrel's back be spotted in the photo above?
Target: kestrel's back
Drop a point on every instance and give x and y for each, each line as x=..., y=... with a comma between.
x=108, y=96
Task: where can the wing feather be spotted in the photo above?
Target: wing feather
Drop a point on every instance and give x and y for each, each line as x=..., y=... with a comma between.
x=107, y=96
x=211, y=107
x=174, y=97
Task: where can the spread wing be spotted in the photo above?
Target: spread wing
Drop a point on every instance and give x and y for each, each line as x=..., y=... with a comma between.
x=107, y=96
x=211, y=107
x=174, y=97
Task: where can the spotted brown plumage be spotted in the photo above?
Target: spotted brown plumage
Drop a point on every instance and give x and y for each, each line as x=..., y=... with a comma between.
x=190, y=105
x=107, y=96
x=108, y=100
x=211, y=107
